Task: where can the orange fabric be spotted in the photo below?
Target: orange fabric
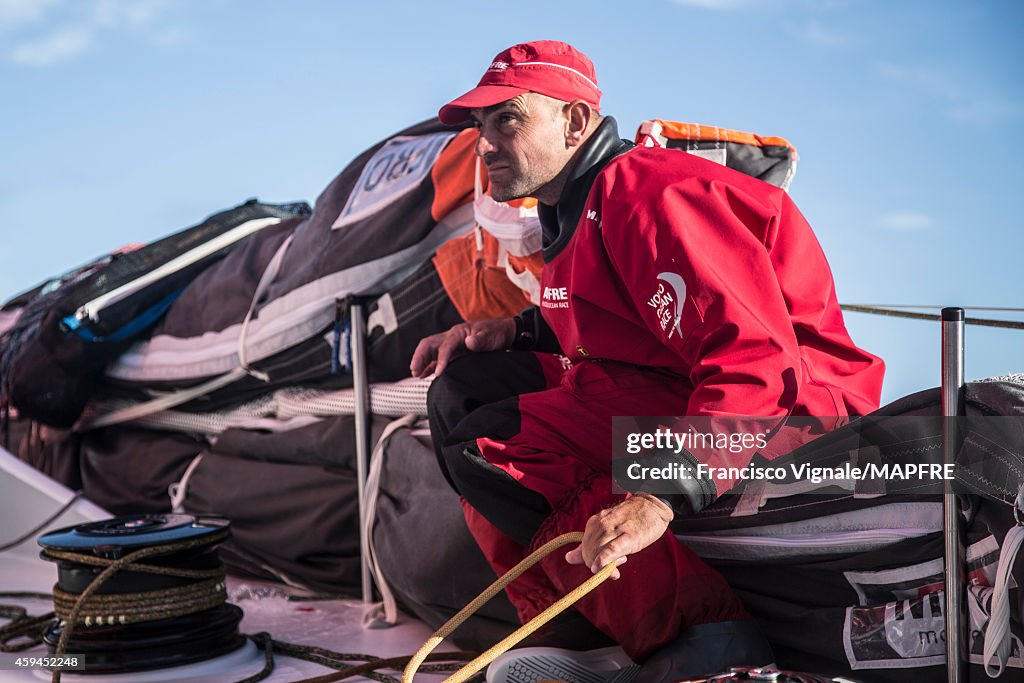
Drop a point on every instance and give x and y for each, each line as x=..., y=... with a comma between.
x=695, y=131
x=533, y=262
x=524, y=203
x=453, y=174
x=476, y=285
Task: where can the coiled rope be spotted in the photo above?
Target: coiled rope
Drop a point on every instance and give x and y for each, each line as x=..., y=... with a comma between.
x=128, y=562
x=88, y=608
x=30, y=630
x=22, y=631
x=133, y=608
x=91, y=608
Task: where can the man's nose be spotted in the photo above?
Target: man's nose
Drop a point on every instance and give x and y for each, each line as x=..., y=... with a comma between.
x=483, y=146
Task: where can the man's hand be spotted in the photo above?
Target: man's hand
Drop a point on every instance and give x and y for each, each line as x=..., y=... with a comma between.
x=623, y=529
x=433, y=353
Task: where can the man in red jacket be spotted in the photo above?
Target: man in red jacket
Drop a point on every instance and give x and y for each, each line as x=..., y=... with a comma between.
x=671, y=286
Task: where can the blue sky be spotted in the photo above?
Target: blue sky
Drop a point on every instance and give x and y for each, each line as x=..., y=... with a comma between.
x=124, y=120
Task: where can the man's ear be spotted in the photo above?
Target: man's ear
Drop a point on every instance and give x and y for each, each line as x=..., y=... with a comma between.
x=580, y=114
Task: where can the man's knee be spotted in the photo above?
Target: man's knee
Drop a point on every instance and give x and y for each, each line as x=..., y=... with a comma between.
x=479, y=379
x=511, y=507
x=456, y=392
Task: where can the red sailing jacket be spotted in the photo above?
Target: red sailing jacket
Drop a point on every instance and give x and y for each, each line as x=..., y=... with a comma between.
x=666, y=260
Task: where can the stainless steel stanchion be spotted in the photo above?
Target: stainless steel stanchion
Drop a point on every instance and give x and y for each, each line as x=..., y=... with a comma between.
x=360, y=384
x=953, y=552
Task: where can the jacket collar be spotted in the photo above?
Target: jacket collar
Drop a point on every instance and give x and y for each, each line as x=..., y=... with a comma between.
x=559, y=222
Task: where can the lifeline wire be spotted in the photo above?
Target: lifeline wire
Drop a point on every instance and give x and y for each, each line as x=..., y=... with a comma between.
x=939, y=308
x=889, y=311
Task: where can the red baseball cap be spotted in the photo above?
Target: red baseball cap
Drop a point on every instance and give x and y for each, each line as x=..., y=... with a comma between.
x=547, y=67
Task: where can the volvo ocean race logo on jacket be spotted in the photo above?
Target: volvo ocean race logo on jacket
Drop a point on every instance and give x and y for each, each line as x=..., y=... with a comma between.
x=555, y=297
x=668, y=302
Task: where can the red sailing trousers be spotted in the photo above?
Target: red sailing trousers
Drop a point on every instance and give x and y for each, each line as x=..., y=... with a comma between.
x=535, y=465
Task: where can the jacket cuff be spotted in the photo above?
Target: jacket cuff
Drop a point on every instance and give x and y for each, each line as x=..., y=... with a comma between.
x=687, y=493
x=533, y=333
x=525, y=337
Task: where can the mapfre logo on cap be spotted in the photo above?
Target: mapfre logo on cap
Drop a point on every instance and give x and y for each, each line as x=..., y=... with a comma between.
x=498, y=66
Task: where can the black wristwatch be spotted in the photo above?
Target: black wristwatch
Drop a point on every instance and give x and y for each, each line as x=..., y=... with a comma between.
x=525, y=337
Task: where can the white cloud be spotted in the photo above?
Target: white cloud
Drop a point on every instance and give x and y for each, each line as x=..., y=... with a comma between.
x=817, y=33
x=905, y=221
x=933, y=81
x=714, y=4
x=172, y=36
x=17, y=13
x=965, y=104
x=61, y=45
x=986, y=111
x=128, y=13
x=141, y=17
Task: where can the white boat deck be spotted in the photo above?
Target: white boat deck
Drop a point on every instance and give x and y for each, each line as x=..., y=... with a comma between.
x=27, y=497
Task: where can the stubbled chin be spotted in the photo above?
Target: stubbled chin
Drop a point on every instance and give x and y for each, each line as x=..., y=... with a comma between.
x=508, y=187
x=500, y=192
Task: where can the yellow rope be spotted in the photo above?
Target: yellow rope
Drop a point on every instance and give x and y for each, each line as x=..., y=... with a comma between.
x=523, y=631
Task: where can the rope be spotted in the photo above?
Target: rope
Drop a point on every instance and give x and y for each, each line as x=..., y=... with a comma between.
x=127, y=563
x=31, y=629
x=140, y=568
x=22, y=625
x=370, y=666
x=998, y=637
x=27, y=595
x=178, y=491
x=134, y=608
x=264, y=641
x=42, y=525
x=138, y=411
x=983, y=322
x=90, y=607
x=384, y=613
x=544, y=617
x=266, y=279
x=70, y=609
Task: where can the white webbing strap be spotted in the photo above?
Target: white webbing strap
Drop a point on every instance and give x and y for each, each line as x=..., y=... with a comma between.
x=478, y=183
x=179, y=489
x=261, y=289
x=650, y=134
x=381, y=614
x=177, y=398
x=998, y=638
x=478, y=191
x=166, y=402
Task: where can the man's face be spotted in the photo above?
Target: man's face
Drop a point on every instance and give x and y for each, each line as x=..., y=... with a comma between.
x=523, y=144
